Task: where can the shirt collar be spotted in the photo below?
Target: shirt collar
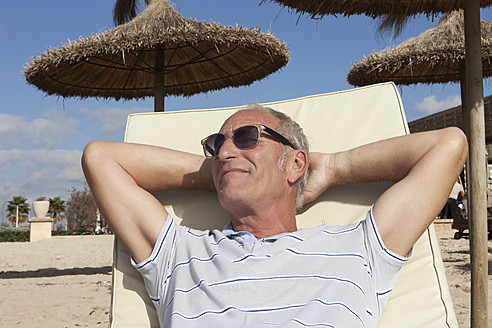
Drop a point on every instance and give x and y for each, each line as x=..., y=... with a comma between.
x=229, y=232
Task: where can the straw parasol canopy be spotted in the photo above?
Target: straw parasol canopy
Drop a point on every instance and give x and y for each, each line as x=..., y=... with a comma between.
x=376, y=8
x=189, y=56
x=435, y=56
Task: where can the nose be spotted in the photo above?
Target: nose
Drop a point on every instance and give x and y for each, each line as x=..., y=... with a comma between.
x=228, y=150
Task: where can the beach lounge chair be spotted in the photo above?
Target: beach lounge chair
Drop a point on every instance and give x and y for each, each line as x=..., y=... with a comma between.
x=332, y=122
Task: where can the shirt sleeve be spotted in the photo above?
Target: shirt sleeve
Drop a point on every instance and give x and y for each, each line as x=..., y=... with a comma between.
x=386, y=265
x=155, y=268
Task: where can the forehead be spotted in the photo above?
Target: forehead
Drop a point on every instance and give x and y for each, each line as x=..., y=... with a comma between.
x=249, y=117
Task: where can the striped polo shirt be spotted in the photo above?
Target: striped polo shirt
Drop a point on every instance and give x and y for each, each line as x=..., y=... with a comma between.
x=326, y=276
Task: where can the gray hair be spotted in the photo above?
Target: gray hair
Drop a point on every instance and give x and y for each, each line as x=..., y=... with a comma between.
x=294, y=133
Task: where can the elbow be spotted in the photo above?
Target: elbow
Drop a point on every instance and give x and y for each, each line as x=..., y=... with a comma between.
x=457, y=142
x=92, y=154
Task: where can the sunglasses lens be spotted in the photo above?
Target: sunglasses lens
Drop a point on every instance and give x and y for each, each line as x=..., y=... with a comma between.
x=246, y=137
x=213, y=144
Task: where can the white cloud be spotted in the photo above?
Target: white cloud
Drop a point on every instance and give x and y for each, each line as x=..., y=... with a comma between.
x=46, y=131
x=10, y=157
x=113, y=119
x=30, y=163
x=11, y=130
x=34, y=173
x=71, y=174
x=430, y=105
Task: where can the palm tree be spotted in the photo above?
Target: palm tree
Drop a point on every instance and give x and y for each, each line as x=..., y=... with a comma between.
x=17, y=206
x=125, y=10
x=57, y=207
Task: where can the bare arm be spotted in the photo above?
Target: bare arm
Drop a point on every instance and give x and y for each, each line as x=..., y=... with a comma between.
x=121, y=177
x=424, y=167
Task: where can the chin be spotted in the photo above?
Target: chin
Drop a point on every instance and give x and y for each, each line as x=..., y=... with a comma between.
x=231, y=201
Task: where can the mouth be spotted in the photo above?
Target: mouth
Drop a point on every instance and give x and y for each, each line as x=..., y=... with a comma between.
x=235, y=170
x=231, y=171
x=225, y=170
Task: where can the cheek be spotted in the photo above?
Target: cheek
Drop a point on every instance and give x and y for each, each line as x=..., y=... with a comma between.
x=214, y=172
x=269, y=168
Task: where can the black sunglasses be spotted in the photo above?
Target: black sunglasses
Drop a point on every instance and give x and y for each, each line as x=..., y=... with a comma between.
x=244, y=137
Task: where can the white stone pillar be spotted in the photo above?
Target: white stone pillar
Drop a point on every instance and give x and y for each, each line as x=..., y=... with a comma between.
x=40, y=228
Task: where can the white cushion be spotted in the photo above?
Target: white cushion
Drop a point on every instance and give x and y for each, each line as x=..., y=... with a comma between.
x=332, y=122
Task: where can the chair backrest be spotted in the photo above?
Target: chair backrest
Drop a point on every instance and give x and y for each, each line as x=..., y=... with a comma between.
x=332, y=122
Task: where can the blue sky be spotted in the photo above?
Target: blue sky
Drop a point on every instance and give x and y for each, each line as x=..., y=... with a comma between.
x=42, y=137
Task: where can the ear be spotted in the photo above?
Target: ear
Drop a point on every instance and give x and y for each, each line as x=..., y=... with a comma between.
x=297, y=164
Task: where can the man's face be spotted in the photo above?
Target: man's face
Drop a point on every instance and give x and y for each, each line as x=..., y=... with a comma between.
x=248, y=177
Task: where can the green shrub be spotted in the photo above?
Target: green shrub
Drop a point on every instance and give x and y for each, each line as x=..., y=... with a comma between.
x=74, y=232
x=22, y=234
x=14, y=235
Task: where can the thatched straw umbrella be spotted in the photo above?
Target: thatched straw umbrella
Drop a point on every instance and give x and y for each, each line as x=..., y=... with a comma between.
x=396, y=12
x=435, y=56
x=376, y=8
x=157, y=53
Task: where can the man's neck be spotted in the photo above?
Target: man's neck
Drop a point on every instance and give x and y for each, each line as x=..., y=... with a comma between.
x=264, y=226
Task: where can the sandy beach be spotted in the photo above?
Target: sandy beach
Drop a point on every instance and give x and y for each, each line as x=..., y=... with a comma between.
x=60, y=282
x=66, y=281
x=456, y=258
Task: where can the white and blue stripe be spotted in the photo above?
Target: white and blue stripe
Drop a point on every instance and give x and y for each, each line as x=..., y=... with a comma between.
x=319, y=277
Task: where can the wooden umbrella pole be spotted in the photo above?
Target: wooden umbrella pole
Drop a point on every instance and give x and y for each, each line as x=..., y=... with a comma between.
x=478, y=182
x=465, y=115
x=159, y=79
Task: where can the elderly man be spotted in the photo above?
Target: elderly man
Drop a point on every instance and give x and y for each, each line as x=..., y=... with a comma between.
x=261, y=271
